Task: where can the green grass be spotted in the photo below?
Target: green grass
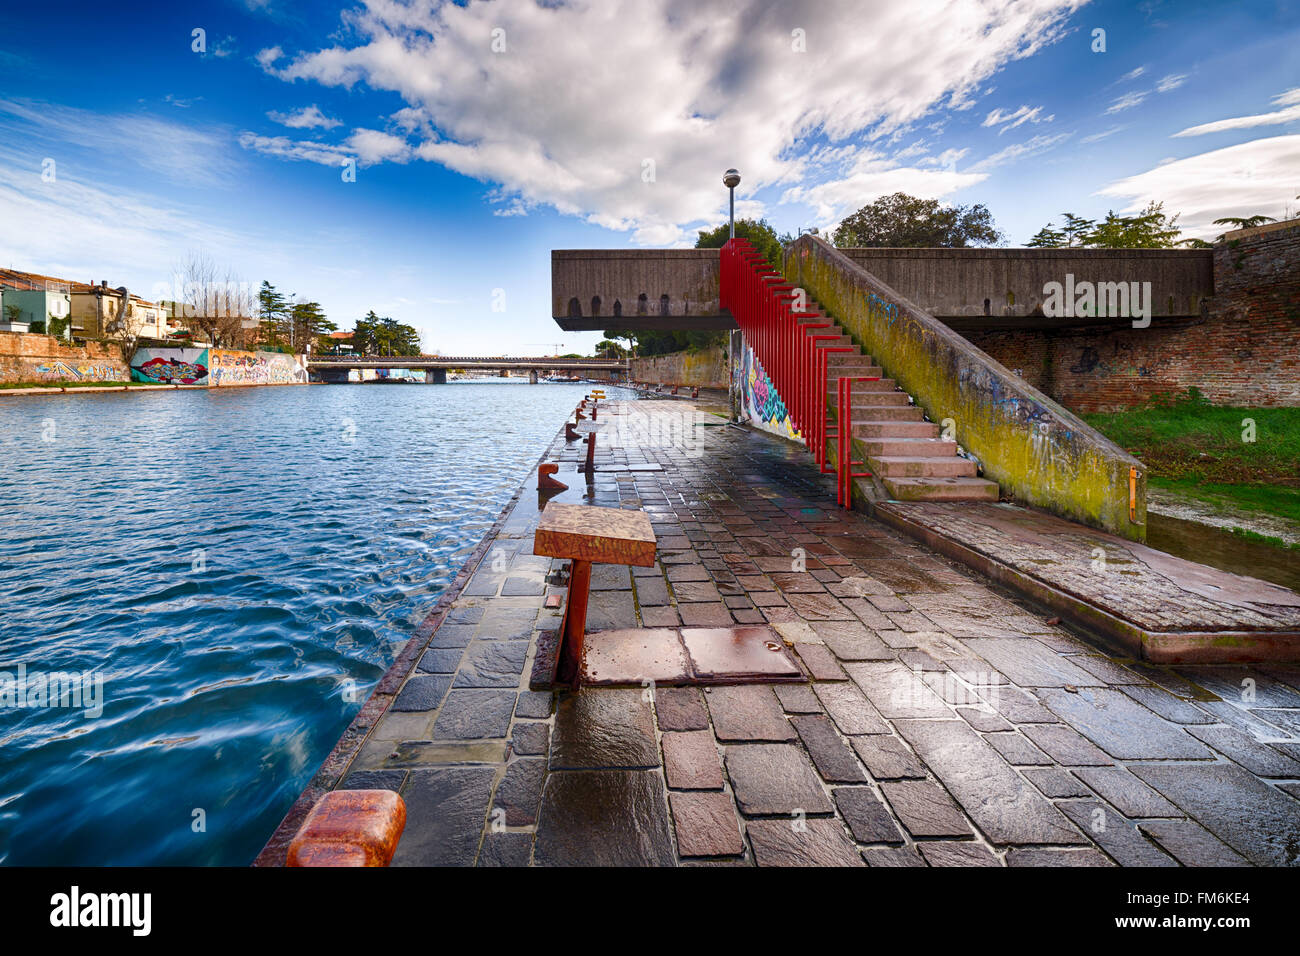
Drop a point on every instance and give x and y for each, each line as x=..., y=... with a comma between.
x=1200, y=450
x=1191, y=439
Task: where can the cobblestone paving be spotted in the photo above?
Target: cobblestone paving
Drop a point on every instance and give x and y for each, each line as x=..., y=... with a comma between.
x=944, y=724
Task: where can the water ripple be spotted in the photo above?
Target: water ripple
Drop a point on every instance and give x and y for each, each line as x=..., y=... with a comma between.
x=230, y=563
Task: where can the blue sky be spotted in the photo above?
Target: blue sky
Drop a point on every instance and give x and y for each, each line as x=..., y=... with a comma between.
x=487, y=134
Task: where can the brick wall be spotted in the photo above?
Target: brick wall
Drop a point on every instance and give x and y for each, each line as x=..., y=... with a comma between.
x=1244, y=350
x=25, y=357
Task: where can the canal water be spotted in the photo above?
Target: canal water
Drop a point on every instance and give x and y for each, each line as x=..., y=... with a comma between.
x=238, y=567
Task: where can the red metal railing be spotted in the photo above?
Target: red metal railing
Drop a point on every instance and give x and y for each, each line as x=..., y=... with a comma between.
x=790, y=352
x=844, y=425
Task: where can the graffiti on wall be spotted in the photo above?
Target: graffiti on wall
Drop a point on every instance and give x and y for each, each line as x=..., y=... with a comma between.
x=255, y=368
x=171, y=366
x=60, y=371
x=759, y=401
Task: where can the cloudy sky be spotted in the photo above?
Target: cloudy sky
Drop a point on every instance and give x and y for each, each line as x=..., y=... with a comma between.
x=422, y=158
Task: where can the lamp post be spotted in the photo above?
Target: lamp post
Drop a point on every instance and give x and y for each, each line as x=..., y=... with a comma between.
x=731, y=179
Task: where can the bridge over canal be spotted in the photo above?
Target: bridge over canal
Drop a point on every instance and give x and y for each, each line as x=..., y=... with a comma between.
x=335, y=368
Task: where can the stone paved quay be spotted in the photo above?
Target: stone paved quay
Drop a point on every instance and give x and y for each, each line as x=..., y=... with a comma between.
x=944, y=722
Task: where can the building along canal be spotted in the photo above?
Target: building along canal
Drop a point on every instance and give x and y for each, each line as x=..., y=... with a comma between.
x=239, y=567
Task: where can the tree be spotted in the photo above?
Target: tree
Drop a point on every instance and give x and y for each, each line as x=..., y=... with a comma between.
x=1076, y=229
x=1249, y=222
x=214, y=303
x=307, y=323
x=384, y=336
x=273, y=311
x=610, y=348
x=904, y=221
x=1150, y=229
x=759, y=233
x=1047, y=238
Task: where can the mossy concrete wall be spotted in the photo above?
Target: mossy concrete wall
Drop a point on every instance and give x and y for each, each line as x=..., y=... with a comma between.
x=1036, y=450
x=706, y=368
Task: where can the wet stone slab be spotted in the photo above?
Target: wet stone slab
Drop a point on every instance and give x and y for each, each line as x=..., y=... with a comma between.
x=868, y=820
x=925, y=809
x=833, y=758
x=1122, y=727
x=774, y=779
x=604, y=727
x=445, y=809
x=706, y=824
x=604, y=818
x=680, y=708
x=474, y=714
x=819, y=842
x=1259, y=822
x=1006, y=808
x=747, y=713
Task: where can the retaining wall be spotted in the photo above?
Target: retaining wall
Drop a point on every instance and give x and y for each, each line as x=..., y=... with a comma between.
x=26, y=357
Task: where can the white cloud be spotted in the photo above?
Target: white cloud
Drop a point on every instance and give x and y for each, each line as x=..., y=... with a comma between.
x=1127, y=102
x=872, y=176
x=1290, y=100
x=585, y=91
x=1258, y=177
x=183, y=153
x=309, y=117
x=1019, y=151
x=366, y=146
x=1011, y=120
x=1171, y=82
x=1132, y=74
x=1097, y=137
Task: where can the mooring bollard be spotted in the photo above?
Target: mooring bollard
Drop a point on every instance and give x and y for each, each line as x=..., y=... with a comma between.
x=591, y=453
x=544, y=480
x=350, y=828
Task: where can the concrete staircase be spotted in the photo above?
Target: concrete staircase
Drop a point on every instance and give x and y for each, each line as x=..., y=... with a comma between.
x=903, y=451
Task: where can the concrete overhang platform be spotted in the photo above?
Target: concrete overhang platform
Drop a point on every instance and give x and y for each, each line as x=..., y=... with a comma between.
x=1153, y=605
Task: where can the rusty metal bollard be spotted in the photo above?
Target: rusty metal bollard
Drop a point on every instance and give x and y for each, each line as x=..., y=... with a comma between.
x=591, y=453
x=350, y=828
x=544, y=480
x=569, y=433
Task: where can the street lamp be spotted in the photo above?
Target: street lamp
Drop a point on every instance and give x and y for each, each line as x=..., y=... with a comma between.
x=731, y=179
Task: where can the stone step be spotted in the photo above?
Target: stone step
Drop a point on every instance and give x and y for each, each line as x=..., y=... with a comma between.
x=894, y=429
x=873, y=400
x=941, y=489
x=914, y=466
x=856, y=370
x=910, y=447
x=860, y=390
x=866, y=414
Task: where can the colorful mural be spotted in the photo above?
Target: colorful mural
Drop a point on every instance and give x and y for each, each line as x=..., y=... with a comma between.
x=171, y=366
x=759, y=402
x=255, y=368
x=60, y=371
